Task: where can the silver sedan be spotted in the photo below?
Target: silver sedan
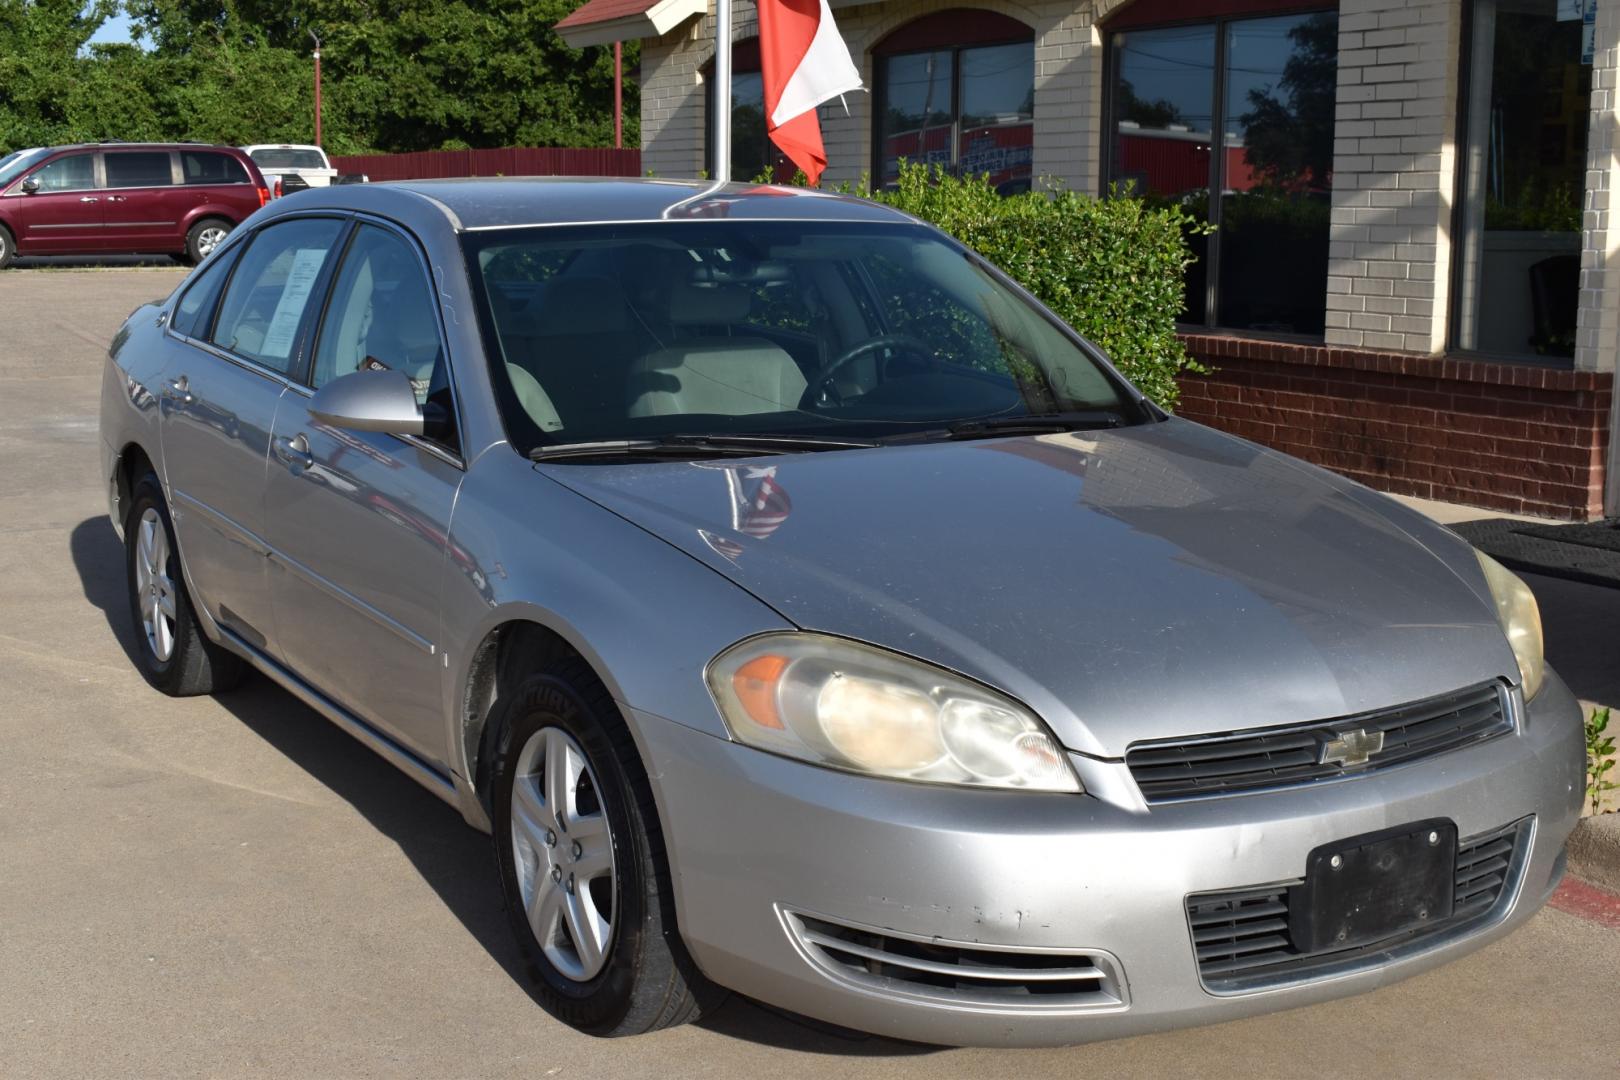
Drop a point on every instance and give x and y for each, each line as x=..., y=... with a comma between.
x=806, y=611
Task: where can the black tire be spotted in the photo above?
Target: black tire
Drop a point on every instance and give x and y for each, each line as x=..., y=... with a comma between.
x=194, y=665
x=648, y=981
x=199, y=234
x=8, y=247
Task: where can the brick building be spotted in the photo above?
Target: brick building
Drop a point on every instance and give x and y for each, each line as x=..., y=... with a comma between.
x=1414, y=277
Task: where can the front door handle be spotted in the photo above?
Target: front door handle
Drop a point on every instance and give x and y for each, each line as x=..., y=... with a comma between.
x=179, y=390
x=88, y=198
x=294, y=452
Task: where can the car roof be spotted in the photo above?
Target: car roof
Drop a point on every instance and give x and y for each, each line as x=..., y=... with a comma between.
x=506, y=202
x=281, y=146
x=115, y=145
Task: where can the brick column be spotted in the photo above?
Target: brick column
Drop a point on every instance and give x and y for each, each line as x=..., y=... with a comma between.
x=1394, y=172
x=1597, y=340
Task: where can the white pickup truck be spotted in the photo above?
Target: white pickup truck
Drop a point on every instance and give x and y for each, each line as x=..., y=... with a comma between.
x=281, y=160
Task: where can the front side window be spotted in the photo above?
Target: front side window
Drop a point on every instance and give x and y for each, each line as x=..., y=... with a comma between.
x=1233, y=120
x=1522, y=180
x=138, y=168
x=943, y=98
x=75, y=172
x=196, y=307
x=275, y=278
x=381, y=318
x=785, y=328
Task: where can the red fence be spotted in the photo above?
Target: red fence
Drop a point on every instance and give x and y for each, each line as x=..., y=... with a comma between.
x=507, y=161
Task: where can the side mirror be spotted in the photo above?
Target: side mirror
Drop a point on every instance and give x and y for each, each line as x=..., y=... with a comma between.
x=30, y=185
x=369, y=401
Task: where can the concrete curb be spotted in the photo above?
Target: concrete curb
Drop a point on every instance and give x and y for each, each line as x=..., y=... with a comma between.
x=1594, y=851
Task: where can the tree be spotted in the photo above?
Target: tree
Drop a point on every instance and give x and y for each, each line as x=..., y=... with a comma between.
x=1289, y=129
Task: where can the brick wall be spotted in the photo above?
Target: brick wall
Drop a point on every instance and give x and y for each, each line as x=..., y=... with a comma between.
x=1505, y=436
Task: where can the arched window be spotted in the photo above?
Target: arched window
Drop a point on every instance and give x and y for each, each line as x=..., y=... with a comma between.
x=752, y=151
x=957, y=89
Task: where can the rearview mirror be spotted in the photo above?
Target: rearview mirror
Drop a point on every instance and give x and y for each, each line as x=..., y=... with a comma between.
x=30, y=185
x=369, y=401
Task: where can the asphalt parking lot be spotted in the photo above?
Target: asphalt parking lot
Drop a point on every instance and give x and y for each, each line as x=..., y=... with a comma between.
x=233, y=887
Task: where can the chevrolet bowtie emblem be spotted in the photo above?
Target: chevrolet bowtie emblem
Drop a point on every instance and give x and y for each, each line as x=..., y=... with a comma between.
x=1352, y=747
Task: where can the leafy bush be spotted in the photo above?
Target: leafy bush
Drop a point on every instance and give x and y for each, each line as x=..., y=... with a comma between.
x=1599, y=759
x=1111, y=268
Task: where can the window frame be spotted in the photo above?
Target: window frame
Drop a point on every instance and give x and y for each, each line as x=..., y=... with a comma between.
x=1219, y=22
x=882, y=52
x=302, y=381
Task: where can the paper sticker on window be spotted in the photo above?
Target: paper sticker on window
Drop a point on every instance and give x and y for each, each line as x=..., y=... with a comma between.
x=306, y=265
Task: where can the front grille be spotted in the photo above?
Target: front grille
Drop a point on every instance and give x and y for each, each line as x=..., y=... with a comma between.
x=1242, y=937
x=950, y=974
x=1279, y=757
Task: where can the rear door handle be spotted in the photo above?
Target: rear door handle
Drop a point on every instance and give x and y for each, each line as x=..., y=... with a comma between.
x=113, y=198
x=179, y=390
x=294, y=451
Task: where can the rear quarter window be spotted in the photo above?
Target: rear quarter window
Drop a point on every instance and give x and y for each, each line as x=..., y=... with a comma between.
x=211, y=167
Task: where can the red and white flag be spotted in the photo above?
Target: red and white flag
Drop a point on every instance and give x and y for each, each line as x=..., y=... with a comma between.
x=804, y=62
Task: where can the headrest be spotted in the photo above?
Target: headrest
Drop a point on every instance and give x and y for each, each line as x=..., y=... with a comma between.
x=579, y=305
x=707, y=305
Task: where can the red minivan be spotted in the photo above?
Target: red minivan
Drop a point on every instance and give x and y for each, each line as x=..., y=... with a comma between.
x=125, y=199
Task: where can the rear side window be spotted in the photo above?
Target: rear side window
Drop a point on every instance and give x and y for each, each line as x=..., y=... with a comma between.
x=191, y=315
x=211, y=167
x=76, y=172
x=138, y=168
x=274, y=281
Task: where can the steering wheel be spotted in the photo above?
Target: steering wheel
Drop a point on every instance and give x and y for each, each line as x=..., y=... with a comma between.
x=822, y=386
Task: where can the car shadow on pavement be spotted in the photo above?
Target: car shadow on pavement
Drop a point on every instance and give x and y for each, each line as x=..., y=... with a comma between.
x=452, y=858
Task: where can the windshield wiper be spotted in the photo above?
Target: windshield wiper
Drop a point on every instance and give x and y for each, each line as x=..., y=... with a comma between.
x=687, y=446
x=1024, y=424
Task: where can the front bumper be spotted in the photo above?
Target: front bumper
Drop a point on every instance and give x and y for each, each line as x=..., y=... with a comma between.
x=755, y=840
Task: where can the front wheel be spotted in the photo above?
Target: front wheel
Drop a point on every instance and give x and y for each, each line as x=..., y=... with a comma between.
x=8, y=248
x=581, y=861
x=204, y=237
x=174, y=655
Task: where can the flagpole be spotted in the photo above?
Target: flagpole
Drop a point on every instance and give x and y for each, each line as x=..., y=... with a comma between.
x=722, y=91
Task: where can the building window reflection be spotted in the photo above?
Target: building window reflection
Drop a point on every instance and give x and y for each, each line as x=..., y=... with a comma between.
x=1233, y=120
x=957, y=89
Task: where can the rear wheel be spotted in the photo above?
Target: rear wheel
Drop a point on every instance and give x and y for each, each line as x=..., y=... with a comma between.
x=174, y=655
x=581, y=860
x=8, y=248
x=204, y=237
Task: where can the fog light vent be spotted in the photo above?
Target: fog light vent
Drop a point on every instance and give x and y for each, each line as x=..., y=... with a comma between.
x=951, y=973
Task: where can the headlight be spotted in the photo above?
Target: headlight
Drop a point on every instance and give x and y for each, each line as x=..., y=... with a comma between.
x=1516, y=610
x=834, y=702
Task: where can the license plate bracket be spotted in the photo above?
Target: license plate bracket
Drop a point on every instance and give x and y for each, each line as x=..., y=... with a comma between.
x=1383, y=884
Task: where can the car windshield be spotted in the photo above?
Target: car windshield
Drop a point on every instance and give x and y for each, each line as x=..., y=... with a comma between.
x=16, y=163
x=286, y=157
x=836, y=331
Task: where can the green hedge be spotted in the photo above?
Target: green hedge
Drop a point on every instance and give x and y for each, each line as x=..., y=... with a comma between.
x=1111, y=268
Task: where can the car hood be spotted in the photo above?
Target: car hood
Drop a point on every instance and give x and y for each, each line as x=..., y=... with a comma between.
x=1151, y=582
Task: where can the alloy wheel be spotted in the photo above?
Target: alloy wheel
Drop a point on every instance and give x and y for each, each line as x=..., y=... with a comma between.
x=154, y=589
x=563, y=850
x=209, y=239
